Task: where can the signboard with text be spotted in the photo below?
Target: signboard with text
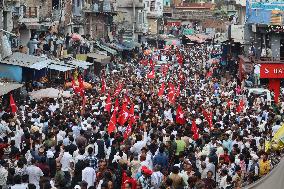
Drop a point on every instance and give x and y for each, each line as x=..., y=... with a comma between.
x=272, y=71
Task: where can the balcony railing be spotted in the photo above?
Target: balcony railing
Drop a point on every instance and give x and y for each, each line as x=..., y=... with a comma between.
x=99, y=7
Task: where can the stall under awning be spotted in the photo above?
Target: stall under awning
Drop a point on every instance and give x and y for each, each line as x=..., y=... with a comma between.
x=81, y=64
x=25, y=60
x=59, y=67
x=99, y=58
x=108, y=49
x=6, y=87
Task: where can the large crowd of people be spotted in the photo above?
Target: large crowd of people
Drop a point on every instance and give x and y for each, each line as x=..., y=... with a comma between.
x=180, y=125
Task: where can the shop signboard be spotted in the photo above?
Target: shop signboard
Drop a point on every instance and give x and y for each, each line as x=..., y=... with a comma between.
x=273, y=70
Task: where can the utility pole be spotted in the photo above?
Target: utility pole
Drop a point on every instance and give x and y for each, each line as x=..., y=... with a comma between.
x=134, y=20
x=1, y=26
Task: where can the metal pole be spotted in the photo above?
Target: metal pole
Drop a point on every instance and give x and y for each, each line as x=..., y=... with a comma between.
x=133, y=27
x=1, y=27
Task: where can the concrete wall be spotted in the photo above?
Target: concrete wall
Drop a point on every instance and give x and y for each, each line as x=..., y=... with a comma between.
x=275, y=45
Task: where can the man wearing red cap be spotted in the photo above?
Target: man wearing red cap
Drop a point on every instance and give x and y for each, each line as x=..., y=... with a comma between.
x=145, y=179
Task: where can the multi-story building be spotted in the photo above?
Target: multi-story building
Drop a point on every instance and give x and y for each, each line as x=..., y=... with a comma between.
x=154, y=11
x=130, y=19
x=98, y=18
x=263, y=34
x=264, y=27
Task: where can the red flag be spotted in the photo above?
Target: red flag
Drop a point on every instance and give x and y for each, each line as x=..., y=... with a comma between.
x=132, y=117
x=144, y=62
x=193, y=126
x=151, y=63
x=229, y=103
x=171, y=93
x=75, y=87
x=118, y=90
x=196, y=135
x=127, y=99
x=112, y=123
x=208, y=117
x=151, y=75
x=81, y=82
x=205, y=114
x=128, y=131
x=180, y=115
x=116, y=105
x=161, y=91
x=12, y=104
x=123, y=114
x=103, y=89
x=108, y=104
x=81, y=86
x=240, y=107
x=194, y=129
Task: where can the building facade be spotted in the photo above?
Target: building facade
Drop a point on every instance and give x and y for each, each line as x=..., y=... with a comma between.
x=130, y=19
x=264, y=29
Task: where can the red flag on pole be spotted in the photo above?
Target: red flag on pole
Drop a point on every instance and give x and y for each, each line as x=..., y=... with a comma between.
x=193, y=126
x=81, y=86
x=123, y=114
x=161, y=90
x=151, y=75
x=180, y=115
x=112, y=123
x=12, y=104
x=75, y=87
x=151, y=63
x=240, y=107
x=194, y=129
x=108, y=104
x=132, y=118
x=196, y=135
x=103, y=89
x=118, y=90
x=171, y=94
x=116, y=105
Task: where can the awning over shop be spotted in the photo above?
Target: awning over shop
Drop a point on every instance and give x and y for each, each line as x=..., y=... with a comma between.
x=99, y=58
x=61, y=68
x=199, y=38
x=108, y=49
x=81, y=64
x=7, y=87
x=25, y=60
x=131, y=44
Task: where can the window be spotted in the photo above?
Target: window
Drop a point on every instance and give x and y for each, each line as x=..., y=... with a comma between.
x=30, y=12
x=78, y=3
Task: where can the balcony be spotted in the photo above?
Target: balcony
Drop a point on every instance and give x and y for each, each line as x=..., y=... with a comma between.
x=129, y=3
x=100, y=7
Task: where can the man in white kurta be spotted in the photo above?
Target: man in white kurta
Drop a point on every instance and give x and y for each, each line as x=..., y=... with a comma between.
x=89, y=175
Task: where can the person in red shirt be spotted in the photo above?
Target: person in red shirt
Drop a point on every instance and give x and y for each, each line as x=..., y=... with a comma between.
x=225, y=156
x=127, y=181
